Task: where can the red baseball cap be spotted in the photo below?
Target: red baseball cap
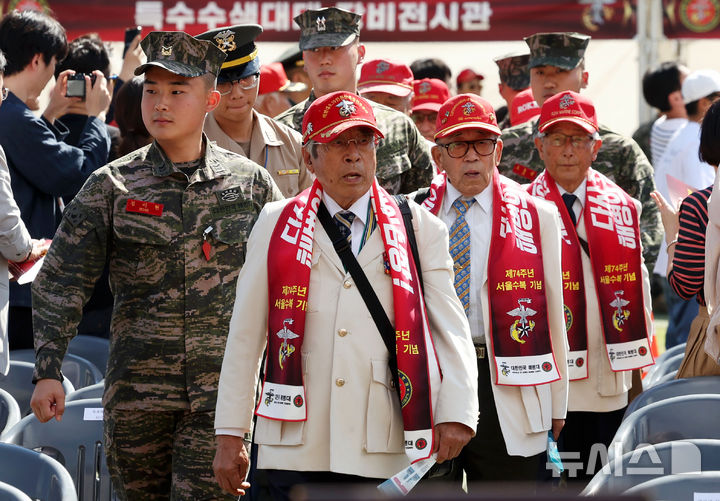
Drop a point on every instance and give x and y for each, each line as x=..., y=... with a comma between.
x=381, y=75
x=523, y=108
x=568, y=107
x=466, y=75
x=274, y=79
x=334, y=113
x=430, y=94
x=465, y=111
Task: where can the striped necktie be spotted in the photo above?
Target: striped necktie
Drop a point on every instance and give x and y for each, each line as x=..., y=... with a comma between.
x=343, y=220
x=460, y=251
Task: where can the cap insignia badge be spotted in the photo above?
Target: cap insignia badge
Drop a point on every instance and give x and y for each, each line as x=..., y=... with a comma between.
x=225, y=40
x=346, y=108
x=382, y=67
x=166, y=51
x=424, y=88
x=468, y=108
x=320, y=21
x=566, y=100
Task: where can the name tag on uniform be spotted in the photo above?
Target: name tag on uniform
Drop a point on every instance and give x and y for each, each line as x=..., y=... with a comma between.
x=288, y=172
x=149, y=208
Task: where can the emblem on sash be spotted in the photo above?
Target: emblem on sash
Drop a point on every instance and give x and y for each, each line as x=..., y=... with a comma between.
x=286, y=349
x=405, y=388
x=504, y=368
x=522, y=327
x=568, y=317
x=269, y=396
x=619, y=315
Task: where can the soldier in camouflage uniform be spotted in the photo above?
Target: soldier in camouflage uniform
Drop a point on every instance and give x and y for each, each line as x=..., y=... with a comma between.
x=172, y=220
x=514, y=78
x=331, y=49
x=557, y=64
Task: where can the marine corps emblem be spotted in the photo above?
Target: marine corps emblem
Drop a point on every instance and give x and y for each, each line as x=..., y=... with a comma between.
x=566, y=100
x=225, y=40
x=320, y=21
x=619, y=315
x=165, y=51
x=468, y=108
x=382, y=67
x=424, y=87
x=286, y=349
x=346, y=108
x=504, y=368
x=522, y=327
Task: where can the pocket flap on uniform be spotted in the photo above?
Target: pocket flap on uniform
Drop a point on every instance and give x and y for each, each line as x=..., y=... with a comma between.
x=381, y=373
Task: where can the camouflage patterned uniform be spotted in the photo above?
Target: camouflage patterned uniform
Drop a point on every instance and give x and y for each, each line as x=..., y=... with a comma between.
x=619, y=158
x=403, y=157
x=148, y=218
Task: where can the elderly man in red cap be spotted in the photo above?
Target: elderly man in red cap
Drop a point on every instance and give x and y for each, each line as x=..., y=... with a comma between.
x=606, y=289
x=388, y=83
x=428, y=95
x=348, y=394
x=506, y=249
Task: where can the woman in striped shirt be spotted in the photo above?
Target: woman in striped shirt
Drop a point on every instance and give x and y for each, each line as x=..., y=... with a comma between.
x=685, y=236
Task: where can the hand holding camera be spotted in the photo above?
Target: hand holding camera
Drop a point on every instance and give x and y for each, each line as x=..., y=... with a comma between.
x=97, y=94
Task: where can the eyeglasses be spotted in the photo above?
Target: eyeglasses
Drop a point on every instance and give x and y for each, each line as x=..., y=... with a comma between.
x=5, y=93
x=458, y=149
x=365, y=142
x=246, y=83
x=558, y=140
x=419, y=118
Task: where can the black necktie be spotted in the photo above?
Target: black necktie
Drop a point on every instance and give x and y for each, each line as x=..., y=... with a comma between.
x=569, y=200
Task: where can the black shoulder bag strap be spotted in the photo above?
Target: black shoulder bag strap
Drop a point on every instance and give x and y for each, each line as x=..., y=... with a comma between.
x=374, y=306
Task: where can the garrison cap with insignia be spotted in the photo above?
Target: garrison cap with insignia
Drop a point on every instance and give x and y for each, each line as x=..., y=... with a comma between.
x=180, y=53
x=513, y=70
x=328, y=27
x=238, y=42
x=563, y=50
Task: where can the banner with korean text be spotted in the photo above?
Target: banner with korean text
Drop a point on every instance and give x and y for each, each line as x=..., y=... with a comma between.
x=383, y=21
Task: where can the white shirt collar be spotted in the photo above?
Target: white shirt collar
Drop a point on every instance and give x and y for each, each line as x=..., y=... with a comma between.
x=359, y=208
x=579, y=192
x=484, y=198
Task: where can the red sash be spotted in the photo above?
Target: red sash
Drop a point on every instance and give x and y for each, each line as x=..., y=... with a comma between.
x=289, y=265
x=520, y=335
x=611, y=223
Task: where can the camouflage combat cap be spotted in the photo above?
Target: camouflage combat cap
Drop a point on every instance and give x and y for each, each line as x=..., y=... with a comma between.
x=513, y=70
x=180, y=53
x=328, y=27
x=562, y=50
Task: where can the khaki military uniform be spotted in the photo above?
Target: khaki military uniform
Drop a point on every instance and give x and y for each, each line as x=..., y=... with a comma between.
x=274, y=146
x=619, y=158
x=403, y=158
x=149, y=220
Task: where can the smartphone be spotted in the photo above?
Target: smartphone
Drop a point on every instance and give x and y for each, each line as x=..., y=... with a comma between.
x=76, y=86
x=130, y=34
